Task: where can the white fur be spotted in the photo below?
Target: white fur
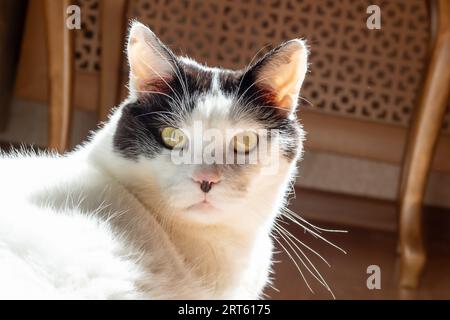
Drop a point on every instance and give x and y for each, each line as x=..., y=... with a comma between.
x=75, y=226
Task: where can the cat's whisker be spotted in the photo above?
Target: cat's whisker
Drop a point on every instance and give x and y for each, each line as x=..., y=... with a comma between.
x=242, y=95
x=282, y=221
x=304, y=245
x=176, y=72
x=154, y=112
x=274, y=288
x=317, y=275
x=314, y=233
x=289, y=214
x=292, y=213
x=168, y=62
x=250, y=64
x=273, y=107
x=184, y=76
x=295, y=248
x=182, y=82
x=148, y=65
x=173, y=119
x=295, y=263
x=249, y=99
x=314, y=273
x=156, y=92
x=306, y=100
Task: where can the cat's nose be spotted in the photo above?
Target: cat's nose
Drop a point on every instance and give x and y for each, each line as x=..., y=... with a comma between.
x=206, y=179
x=206, y=186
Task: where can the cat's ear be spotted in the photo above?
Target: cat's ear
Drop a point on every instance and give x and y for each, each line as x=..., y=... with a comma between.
x=282, y=71
x=151, y=63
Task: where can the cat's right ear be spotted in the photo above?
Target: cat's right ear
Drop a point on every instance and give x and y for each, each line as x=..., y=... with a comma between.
x=151, y=63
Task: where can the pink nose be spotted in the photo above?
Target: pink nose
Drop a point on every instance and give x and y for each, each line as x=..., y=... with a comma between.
x=206, y=178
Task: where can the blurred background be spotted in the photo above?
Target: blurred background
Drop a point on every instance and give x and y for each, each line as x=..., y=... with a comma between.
x=375, y=107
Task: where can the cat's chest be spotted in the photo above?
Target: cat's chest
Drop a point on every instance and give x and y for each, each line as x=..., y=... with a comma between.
x=232, y=269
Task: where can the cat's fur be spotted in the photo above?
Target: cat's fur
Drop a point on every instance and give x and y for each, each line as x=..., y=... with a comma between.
x=112, y=219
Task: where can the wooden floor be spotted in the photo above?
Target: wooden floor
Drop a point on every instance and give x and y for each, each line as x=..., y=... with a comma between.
x=347, y=275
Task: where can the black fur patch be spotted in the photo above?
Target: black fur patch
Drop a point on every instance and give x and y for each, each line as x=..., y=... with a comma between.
x=138, y=130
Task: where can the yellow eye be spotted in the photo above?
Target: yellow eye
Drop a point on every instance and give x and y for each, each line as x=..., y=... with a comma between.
x=173, y=138
x=245, y=142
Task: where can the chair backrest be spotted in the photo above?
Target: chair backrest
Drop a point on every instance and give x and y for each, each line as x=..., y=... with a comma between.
x=358, y=73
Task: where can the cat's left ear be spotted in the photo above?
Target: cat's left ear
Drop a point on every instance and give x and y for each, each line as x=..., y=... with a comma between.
x=151, y=63
x=282, y=72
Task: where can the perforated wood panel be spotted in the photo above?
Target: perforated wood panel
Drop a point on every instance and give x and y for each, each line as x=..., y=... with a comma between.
x=355, y=72
x=87, y=49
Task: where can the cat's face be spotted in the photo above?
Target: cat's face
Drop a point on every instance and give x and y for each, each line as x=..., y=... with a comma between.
x=206, y=143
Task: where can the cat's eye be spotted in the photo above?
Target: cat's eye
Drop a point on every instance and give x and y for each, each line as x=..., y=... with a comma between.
x=173, y=138
x=245, y=142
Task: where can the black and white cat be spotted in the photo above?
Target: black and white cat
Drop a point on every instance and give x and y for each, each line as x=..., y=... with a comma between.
x=120, y=218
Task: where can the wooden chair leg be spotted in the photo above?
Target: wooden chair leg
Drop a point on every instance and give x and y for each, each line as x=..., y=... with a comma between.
x=112, y=33
x=60, y=64
x=421, y=143
x=12, y=17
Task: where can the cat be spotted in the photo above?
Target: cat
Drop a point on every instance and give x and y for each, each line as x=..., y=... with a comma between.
x=117, y=219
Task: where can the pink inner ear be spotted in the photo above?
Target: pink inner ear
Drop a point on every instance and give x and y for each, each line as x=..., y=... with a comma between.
x=149, y=65
x=286, y=103
x=154, y=85
x=284, y=73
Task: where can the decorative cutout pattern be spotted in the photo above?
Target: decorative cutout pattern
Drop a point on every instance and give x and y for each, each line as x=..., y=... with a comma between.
x=87, y=44
x=355, y=72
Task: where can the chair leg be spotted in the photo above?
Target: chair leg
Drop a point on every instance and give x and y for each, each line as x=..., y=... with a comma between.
x=421, y=143
x=60, y=64
x=112, y=33
x=12, y=17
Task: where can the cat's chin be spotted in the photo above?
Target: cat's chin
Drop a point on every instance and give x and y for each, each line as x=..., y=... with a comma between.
x=203, y=212
x=203, y=206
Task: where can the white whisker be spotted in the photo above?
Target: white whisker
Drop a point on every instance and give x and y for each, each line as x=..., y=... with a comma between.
x=315, y=233
x=295, y=263
x=305, y=245
x=293, y=247
x=292, y=213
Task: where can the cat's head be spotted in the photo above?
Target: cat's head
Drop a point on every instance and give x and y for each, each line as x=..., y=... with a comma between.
x=208, y=144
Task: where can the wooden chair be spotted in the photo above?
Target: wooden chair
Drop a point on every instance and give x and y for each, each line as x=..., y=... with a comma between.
x=422, y=139
x=60, y=64
x=12, y=17
x=60, y=46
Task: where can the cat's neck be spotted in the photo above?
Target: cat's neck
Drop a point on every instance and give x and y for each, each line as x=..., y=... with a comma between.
x=217, y=254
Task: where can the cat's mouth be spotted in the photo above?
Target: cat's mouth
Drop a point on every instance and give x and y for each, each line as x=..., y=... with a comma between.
x=204, y=205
